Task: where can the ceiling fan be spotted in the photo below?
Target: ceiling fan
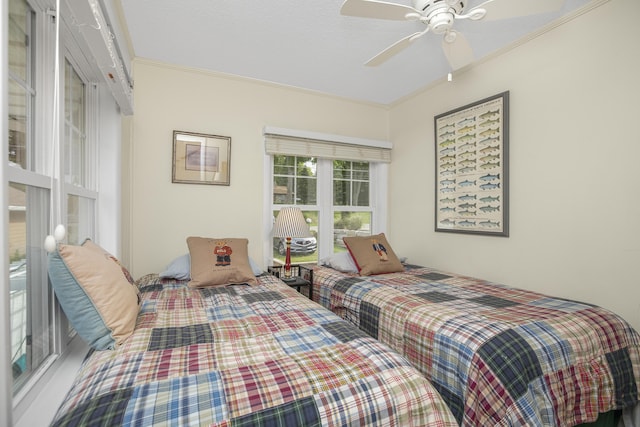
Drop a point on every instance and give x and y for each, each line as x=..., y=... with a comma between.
x=439, y=17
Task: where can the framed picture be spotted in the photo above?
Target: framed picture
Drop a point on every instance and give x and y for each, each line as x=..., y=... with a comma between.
x=472, y=168
x=201, y=159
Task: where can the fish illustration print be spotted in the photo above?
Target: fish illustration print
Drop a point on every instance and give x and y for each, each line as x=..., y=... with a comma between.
x=467, y=205
x=490, y=224
x=467, y=129
x=467, y=197
x=488, y=114
x=447, y=222
x=490, y=165
x=490, y=122
x=467, y=162
x=489, y=199
x=450, y=126
x=447, y=158
x=447, y=134
x=447, y=165
x=448, y=150
x=467, y=121
x=490, y=186
x=489, y=149
x=467, y=169
x=467, y=223
x=447, y=200
x=447, y=143
x=488, y=208
x=489, y=131
x=490, y=157
x=468, y=213
x=447, y=182
x=447, y=190
x=489, y=140
x=468, y=145
x=467, y=183
x=489, y=177
x=448, y=209
x=467, y=137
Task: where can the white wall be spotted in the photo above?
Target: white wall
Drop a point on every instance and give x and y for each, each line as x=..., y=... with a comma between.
x=167, y=98
x=574, y=165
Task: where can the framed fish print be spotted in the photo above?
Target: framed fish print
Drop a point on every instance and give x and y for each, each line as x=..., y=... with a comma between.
x=472, y=168
x=199, y=158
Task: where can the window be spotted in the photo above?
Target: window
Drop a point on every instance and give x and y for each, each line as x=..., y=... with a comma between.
x=31, y=301
x=39, y=330
x=338, y=196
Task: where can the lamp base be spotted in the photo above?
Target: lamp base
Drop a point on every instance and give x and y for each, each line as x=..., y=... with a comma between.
x=288, y=279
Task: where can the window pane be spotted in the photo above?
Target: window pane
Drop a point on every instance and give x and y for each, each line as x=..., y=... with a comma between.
x=80, y=215
x=304, y=249
x=20, y=81
x=347, y=224
x=19, y=35
x=30, y=300
x=294, y=180
x=75, y=145
x=18, y=101
x=350, y=183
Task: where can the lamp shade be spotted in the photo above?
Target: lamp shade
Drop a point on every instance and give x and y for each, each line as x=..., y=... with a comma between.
x=291, y=223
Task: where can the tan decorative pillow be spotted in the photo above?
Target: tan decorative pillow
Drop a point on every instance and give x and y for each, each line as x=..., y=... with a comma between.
x=222, y=261
x=373, y=254
x=99, y=301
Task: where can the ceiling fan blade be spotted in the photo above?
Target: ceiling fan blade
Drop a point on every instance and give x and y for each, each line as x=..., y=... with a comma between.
x=458, y=52
x=377, y=9
x=504, y=9
x=394, y=49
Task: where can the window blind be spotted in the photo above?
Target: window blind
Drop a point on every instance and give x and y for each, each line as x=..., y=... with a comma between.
x=326, y=146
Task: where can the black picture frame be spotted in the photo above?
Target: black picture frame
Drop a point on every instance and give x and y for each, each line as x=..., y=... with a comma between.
x=472, y=168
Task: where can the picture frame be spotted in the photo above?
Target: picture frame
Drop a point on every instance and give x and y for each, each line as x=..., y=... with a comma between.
x=200, y=158
x=472, y=168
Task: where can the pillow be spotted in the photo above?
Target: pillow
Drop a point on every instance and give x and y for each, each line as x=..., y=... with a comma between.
x=180, y=268
x=341, y=261
x=221, y=261
x=99, y=301
x=88, y=243
x=373, y=254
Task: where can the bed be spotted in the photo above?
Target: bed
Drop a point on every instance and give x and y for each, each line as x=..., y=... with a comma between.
x=496, y=354
x=242, y=355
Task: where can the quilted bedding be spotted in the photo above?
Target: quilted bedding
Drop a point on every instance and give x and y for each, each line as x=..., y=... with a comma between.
x=246, y=356
x=497, y=355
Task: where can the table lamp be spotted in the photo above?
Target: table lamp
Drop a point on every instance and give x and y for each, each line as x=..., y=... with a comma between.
x=290, y=223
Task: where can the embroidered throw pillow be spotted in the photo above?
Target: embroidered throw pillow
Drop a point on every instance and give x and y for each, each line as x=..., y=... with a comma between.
x=373, y=254
x=219, y=261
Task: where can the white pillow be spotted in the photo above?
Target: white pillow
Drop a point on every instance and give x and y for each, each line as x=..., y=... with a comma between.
x=341, y=261
x=180, y=268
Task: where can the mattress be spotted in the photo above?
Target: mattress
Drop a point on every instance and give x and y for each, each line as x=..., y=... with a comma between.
x=498, y=355
x=244, y=355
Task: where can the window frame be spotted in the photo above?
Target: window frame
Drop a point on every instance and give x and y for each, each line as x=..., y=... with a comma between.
x=324, y=176
x=39, y=174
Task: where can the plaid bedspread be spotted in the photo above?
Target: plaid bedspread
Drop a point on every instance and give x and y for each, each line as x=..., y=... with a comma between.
x=497, y=355
x=247, y=356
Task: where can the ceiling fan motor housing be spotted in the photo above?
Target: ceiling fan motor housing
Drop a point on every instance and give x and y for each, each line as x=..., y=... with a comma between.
x=439, y=14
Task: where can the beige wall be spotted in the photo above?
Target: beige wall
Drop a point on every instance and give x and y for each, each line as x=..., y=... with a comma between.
x=574, y=165
x=161, y=214
x=575, y=201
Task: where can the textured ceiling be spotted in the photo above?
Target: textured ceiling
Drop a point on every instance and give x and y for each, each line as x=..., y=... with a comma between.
x=308, y=44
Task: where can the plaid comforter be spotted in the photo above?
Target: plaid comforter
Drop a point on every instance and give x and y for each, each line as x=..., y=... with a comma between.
x=497, y=355
x=247, y=356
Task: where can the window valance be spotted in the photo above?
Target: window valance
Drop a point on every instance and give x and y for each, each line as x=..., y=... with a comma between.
x=310, y=144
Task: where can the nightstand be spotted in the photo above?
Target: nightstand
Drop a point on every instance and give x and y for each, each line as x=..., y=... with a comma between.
x=301, y=276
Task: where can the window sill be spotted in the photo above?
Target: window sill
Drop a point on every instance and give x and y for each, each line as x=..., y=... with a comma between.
x=38, y=406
